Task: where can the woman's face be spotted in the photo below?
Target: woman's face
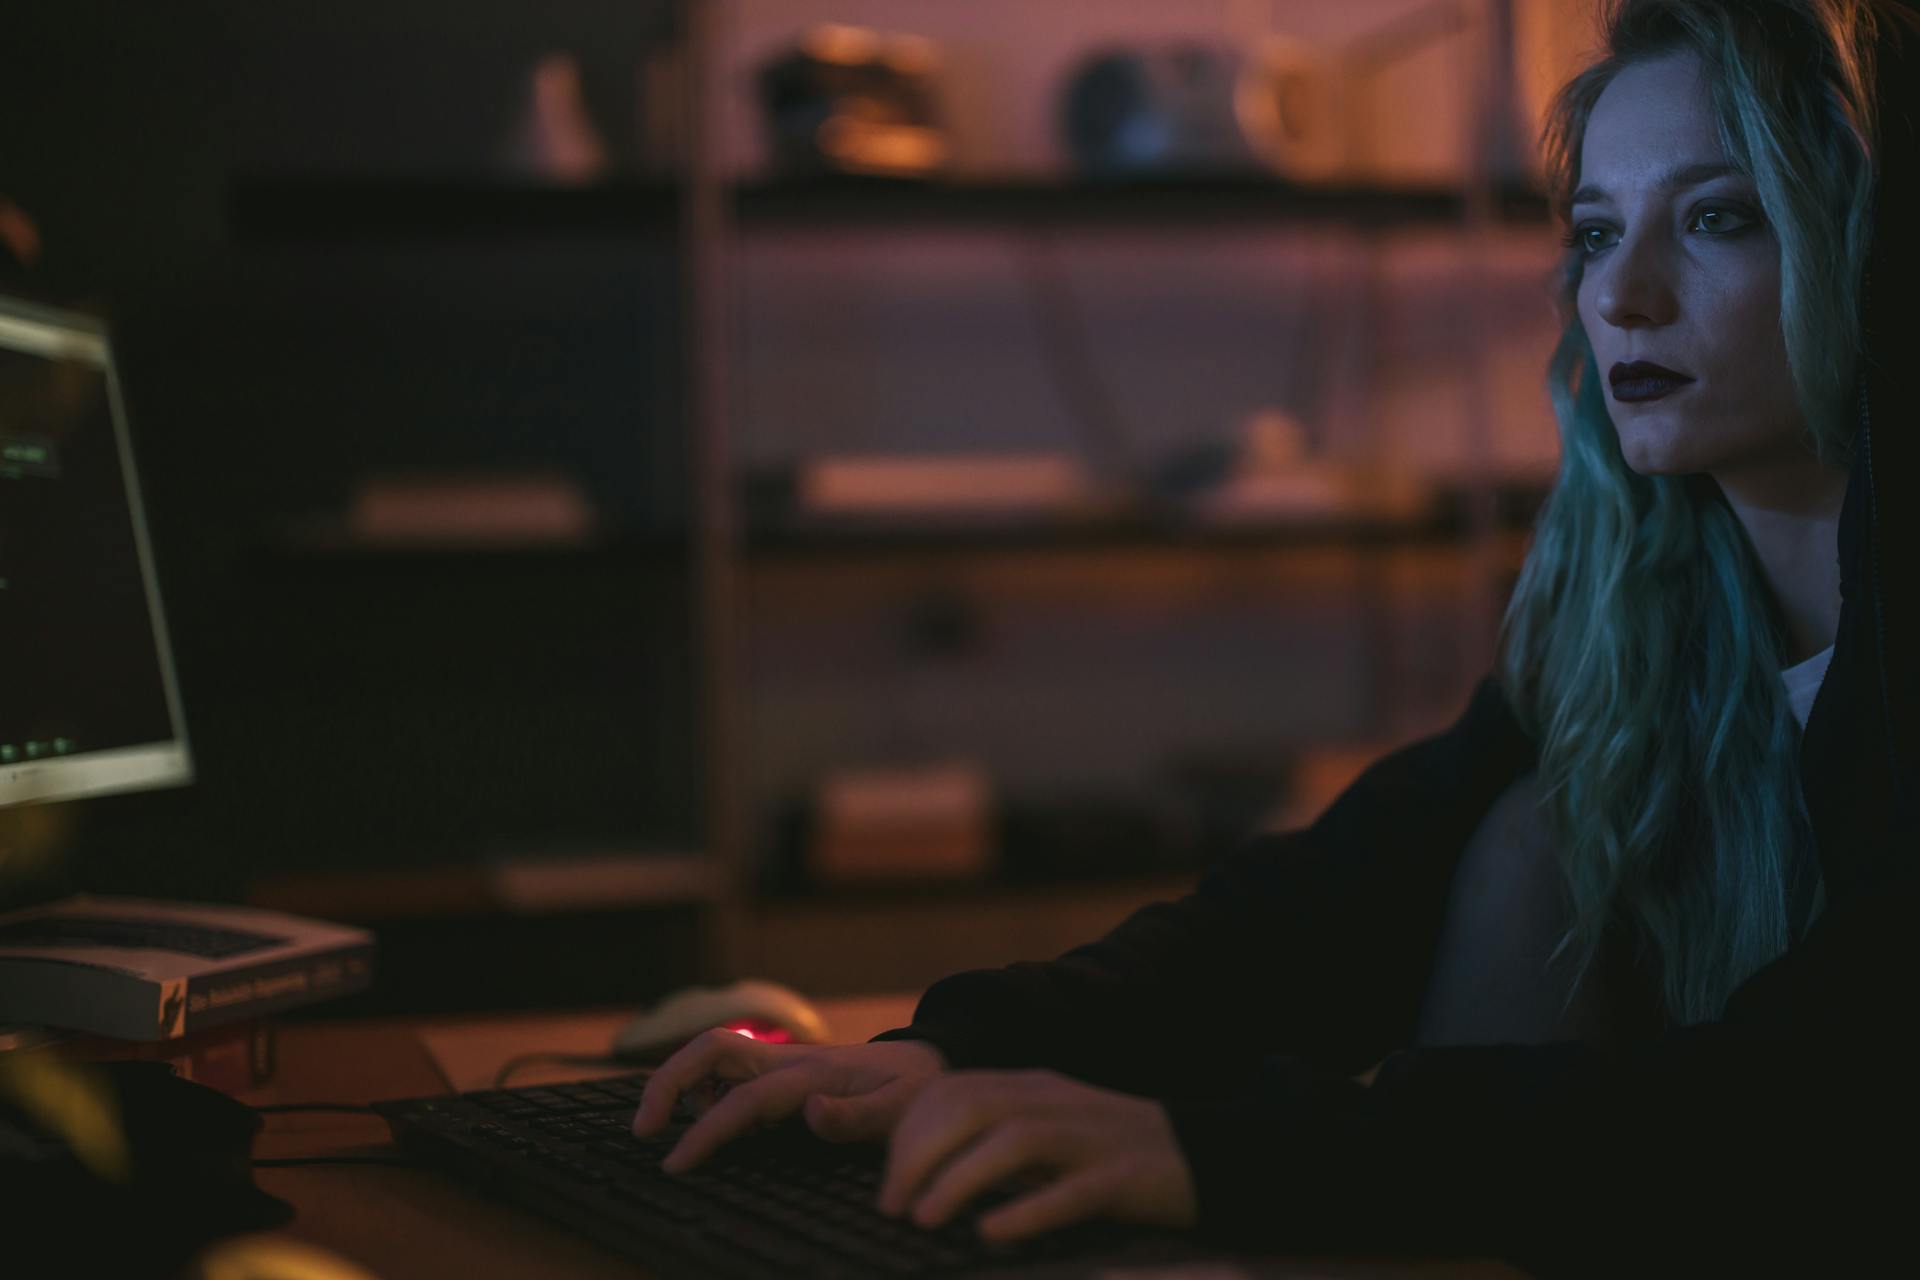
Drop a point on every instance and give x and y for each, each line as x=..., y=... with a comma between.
x=1682, y=272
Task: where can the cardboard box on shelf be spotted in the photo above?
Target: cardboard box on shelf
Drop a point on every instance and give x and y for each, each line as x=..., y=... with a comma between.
x=903, y=823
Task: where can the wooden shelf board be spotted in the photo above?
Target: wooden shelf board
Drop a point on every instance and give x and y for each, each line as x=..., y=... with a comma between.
x=295, y=207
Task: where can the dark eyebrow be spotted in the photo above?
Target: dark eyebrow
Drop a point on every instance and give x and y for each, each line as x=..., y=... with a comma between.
x=1687, y=175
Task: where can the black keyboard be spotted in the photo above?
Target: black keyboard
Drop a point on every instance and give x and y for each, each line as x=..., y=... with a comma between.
x=779, y=1202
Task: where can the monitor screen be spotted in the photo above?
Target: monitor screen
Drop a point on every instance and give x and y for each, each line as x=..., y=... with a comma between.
x=88, y=701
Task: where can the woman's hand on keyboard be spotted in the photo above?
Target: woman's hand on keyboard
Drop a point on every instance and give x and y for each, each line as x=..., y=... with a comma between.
x=1092, y=1152
x=850, y=1092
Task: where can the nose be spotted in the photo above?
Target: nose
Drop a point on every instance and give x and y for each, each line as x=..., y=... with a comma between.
x=1635, y=284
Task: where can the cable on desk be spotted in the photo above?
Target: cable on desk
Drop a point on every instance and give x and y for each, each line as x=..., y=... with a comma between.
x=300, y=1160
x=280, y=1107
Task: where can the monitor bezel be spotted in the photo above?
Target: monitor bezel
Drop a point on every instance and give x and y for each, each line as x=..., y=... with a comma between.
x=34, y=329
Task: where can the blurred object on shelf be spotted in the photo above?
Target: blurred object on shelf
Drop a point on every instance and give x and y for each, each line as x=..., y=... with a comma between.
x=1274, y=440
x=555, y=139
x=477, y=509
x=854, y=100
x=1319, y=775
x=1288, y=100
x=960, y=484
x=893, y=823
x=1270, y=475
x=1201, y=109
x=573, y=881
x=1133, y=113
x=1315, y=490
x=1043, y=836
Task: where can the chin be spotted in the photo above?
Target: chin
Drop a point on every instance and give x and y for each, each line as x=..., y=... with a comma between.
x=1652, y=463
x=1659, y=451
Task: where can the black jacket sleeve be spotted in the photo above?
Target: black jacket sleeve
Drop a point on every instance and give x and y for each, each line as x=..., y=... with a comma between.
x=1316, y=942
x=1772, y=1141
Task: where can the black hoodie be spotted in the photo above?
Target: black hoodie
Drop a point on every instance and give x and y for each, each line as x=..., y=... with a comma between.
x=1782, y=1135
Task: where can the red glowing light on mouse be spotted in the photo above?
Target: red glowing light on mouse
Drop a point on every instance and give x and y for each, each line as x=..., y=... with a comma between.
x=756, y=1029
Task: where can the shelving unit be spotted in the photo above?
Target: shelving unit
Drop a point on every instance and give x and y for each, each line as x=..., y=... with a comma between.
x=479, y=327
x=702, y=217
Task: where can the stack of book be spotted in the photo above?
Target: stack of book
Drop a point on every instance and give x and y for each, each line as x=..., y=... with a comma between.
x=189, y=984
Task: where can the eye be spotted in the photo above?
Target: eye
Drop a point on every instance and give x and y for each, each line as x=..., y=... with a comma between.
x=1581, y=237
x=1724, y=220
x=1714, y=220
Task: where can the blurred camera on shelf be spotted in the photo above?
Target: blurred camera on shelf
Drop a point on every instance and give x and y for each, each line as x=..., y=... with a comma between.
x=857, y=101
x=1198, y=110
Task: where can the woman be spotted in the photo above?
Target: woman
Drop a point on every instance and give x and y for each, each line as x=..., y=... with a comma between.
x=1624, y=944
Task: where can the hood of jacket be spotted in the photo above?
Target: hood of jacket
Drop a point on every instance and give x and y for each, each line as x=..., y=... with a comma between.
x=1860, y=752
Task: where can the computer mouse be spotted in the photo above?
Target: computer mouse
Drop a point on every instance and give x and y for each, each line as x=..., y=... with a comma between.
x=761, y=1010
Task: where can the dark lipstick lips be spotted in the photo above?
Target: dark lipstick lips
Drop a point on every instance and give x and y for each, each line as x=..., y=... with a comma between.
x=1644, y=380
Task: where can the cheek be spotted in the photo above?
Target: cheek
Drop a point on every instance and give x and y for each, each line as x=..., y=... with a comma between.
x=1755, y=382
x=1583, y=305
x=1603, y=340
x=1762, y=346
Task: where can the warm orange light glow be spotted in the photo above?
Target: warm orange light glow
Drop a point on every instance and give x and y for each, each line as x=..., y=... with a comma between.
x=849, y=46
x=882, y=147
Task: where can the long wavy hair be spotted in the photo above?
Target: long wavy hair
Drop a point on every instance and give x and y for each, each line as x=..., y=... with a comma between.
x=1642, y=649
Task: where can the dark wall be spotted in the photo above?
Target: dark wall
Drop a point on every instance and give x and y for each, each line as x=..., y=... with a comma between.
x=368, y=709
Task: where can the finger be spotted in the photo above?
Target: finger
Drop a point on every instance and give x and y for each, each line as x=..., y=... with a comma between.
x=862, y=1117
x=1078, y=1196
x=774, y=1096
x=714, y=1052
x=947, y=1115
x=1003, y=1151
x=689, y=1064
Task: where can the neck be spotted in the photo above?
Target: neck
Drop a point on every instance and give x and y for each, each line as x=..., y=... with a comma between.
x=1791, y=513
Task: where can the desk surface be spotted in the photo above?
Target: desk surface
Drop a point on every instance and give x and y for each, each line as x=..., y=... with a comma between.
x=399, y=1223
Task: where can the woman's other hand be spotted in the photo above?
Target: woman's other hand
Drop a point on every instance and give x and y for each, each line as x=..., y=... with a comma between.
x=851, y=1092
x=1093, y=1153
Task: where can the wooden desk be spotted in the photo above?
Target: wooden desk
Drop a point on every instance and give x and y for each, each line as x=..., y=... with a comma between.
x=399, y=1223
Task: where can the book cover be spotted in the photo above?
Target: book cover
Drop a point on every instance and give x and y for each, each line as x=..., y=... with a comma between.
x=139, y=969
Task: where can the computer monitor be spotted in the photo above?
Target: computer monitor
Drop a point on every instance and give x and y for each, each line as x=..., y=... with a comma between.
x=88, y=700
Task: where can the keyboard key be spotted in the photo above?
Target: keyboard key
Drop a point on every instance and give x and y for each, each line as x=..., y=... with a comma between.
x=645, y=1199
x=493, y=1098
x=625, y=1088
